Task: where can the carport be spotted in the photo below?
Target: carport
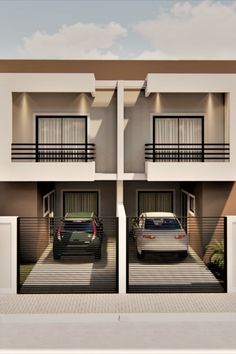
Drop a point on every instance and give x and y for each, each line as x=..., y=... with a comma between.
x=168, y=273
x=70, y=274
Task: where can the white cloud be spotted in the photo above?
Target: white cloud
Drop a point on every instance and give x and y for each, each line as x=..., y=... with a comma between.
x=203, y=30
x=80, y=40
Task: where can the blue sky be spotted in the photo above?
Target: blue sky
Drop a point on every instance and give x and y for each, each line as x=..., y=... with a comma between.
x=118, y=29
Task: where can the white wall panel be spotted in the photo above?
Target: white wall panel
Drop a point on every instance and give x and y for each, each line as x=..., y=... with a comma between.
x=8, y=251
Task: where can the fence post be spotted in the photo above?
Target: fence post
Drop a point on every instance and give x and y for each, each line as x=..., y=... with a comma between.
x=86, y=152
x=36, y=153
x=203, y=152
x=225, y=255
x=8, y=255
x=231, y=249
x=122, y=246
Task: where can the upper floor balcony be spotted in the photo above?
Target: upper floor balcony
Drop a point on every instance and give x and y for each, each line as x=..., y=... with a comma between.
x=177, y=136
x=63, y=152
x=63, y=135
x=187, y=152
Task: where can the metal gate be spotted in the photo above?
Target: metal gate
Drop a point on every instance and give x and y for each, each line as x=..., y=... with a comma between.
x=166, y=268
x=76, y=266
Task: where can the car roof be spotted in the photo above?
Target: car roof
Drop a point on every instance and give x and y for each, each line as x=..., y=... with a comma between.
x=160, y=214
x=79, y=215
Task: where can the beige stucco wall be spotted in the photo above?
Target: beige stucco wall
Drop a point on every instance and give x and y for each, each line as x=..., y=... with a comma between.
x=23, y=198
x=101, y=111
x=26, y=198
x=18, y=199
x=138, y=122
x=213, y=198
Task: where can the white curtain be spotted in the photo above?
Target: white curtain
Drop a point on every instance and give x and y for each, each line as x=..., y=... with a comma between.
x=155, y=201
x=178, y=130
x=190, y=132
x=49, y=132
x=80, y=201
x=73, y=132
x=61, y=130
x=166, y=132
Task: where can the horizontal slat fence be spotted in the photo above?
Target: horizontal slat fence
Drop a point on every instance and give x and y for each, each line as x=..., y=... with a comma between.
x=39, y=272
x=202, y=270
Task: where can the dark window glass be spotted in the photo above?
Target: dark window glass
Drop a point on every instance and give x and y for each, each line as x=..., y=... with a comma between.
x=86, y=226
x=162, y=224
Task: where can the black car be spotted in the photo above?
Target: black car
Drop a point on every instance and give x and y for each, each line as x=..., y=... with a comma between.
x=78, y=233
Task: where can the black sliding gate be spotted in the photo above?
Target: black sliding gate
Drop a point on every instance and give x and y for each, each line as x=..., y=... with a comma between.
x=39, y=272
x=201, y=270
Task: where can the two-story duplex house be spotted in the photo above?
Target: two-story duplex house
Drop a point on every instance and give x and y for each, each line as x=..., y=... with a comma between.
x=117, y=138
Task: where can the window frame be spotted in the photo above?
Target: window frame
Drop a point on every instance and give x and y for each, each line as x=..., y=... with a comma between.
x=177, y=116
x=47, y=197
x=60, y=116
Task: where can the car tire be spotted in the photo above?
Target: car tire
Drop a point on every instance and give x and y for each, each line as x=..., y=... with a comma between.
x=98, y=254
x=140, y=255
x=56, y=256
x=183, y=254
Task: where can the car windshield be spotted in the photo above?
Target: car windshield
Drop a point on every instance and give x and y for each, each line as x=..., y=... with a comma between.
x=161, y=224
x=86, y=225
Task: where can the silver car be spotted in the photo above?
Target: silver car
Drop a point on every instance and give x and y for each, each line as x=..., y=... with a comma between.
x=160, y=232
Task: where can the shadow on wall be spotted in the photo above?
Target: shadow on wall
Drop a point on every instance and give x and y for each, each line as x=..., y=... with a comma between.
x=137, y=130
x=102, y=131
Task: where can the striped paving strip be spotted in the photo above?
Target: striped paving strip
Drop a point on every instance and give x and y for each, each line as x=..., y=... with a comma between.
x=167, y=274
x=72, y=274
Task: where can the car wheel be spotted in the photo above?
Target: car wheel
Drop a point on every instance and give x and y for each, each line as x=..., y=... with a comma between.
x=98, y=254
x=183, y=254
x=140, y=255
x=56, y=256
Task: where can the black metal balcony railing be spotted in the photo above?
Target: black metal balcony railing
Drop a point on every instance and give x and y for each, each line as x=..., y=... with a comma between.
x=53, y=152
x=186, y=152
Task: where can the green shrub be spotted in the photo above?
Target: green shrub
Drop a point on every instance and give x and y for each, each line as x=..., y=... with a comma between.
x=216, y=263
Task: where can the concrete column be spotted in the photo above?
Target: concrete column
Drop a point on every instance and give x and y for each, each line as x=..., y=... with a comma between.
x=231, y=249
x=120, y=130
x=120, y=210
x=227, y=117
x=122, y=245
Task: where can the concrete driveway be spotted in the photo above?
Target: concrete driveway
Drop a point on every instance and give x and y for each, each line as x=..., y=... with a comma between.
x=167, y=273
x=153, y=274
x=74, y=274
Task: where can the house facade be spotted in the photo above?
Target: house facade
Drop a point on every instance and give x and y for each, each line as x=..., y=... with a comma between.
x=118, y=138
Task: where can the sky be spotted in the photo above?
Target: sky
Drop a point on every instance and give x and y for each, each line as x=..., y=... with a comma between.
x=118, y=29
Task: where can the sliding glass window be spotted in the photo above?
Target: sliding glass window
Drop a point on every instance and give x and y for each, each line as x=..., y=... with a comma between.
x=61, y=138
x=178, y=138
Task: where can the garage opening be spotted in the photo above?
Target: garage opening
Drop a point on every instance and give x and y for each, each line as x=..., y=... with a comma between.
x=167, y=254
x=76, y=253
